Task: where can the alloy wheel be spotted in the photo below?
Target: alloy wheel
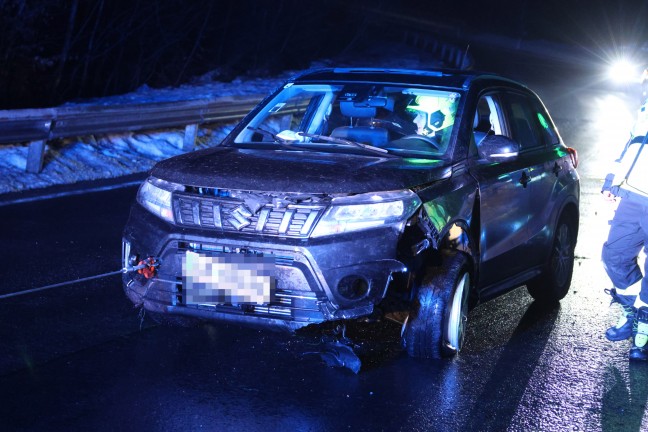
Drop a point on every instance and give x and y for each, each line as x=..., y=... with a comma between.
x=458, y=314
x=562, y=256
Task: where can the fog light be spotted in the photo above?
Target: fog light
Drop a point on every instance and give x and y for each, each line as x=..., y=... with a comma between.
x=353, y=287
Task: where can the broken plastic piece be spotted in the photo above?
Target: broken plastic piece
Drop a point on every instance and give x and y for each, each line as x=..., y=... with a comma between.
x=337, y=354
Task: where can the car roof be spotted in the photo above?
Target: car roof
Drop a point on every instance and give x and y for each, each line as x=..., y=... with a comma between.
x=445, y=78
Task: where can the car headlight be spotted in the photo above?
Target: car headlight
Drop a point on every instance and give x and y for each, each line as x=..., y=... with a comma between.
x=155, y=196
x=366, y=211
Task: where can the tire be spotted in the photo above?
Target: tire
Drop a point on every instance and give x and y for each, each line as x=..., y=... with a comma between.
x=553, y=283
x=436, y=324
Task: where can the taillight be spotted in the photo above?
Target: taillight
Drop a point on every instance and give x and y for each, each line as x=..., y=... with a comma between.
x=573, y=154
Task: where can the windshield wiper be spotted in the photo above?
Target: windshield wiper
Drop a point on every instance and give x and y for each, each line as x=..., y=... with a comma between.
x=295, y=145
x=373, y=149
x=285, y=143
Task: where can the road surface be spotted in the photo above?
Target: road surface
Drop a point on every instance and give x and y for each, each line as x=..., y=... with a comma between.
x=75, y=355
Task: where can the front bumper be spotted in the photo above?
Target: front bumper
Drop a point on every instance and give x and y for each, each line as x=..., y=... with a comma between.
x=312, y=276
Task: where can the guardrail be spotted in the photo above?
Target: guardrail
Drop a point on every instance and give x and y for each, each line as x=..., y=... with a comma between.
x=37, y=126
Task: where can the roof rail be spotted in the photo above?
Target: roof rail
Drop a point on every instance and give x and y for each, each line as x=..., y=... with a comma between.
x=490, y=75
x=393, y=71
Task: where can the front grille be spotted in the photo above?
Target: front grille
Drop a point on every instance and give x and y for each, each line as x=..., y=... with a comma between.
x=231, y=214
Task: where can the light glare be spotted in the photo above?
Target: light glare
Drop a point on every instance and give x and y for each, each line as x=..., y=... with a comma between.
x=624, y=71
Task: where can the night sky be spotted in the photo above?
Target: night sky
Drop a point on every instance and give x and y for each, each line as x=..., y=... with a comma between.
x=59, y=50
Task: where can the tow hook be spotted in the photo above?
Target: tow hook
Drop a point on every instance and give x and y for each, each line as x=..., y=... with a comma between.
x=146, y=267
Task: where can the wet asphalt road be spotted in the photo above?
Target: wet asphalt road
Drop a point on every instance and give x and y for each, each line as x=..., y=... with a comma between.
x=77, y=356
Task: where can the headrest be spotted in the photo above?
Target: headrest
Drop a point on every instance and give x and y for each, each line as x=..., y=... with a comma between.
x=376, y=136
x=482, y=123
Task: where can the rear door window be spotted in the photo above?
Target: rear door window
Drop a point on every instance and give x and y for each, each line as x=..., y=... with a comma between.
x=530, y=124
x=547, y=130
x=525, y=124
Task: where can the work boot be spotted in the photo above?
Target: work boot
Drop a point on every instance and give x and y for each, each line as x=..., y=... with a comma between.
x=623, y=329
x=639, y=349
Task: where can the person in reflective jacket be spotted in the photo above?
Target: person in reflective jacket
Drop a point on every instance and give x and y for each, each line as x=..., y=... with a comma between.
x=628, y=235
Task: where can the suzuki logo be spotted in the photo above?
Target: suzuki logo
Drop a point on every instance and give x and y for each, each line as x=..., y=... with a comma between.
x=240, y=217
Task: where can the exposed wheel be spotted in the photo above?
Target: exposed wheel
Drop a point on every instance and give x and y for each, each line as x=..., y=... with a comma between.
x=553, y=283
x=436, y=324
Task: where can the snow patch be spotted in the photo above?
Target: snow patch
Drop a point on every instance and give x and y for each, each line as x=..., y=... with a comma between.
x=112, y=155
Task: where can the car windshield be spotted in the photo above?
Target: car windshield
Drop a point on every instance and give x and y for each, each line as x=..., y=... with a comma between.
x=379, y=119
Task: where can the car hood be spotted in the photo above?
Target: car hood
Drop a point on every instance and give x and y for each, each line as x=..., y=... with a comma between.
x=297, y=171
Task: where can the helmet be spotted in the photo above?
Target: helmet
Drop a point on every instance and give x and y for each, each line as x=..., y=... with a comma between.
x=439, y=110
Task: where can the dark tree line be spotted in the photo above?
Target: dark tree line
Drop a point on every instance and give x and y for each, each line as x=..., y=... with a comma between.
x=54, y=51
x=59, y=50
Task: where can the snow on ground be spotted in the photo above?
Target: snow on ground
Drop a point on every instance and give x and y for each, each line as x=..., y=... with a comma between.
x=89, y=158
x=77, y=159
x=107, y=156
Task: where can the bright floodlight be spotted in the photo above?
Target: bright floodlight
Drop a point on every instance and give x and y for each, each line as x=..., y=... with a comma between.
x=623, y=71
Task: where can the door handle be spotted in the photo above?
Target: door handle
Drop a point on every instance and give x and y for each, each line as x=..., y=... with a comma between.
x=525, y=179
x=556, y=168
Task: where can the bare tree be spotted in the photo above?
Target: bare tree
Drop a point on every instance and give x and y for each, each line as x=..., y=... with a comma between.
x=90, y=50
x=65, y=51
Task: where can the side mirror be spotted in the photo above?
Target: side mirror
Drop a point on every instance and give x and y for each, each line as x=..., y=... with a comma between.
x=498, y=148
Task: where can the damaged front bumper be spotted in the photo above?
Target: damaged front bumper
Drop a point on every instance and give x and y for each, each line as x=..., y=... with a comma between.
x=339, y=277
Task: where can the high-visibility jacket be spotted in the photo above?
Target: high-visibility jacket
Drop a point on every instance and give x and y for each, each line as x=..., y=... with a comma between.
x=629, y=176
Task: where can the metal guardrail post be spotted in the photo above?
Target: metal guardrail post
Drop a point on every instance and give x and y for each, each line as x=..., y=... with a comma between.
x=37, y=126
x=35, y=156
x=189, y=142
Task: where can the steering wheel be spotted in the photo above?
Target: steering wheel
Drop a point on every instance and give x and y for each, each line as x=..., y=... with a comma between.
x=390, y=125
x=425, y=139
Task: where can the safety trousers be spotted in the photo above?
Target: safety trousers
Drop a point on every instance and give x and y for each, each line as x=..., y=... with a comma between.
x=628, y=234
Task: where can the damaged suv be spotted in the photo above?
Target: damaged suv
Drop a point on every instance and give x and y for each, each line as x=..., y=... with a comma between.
x=356, y=192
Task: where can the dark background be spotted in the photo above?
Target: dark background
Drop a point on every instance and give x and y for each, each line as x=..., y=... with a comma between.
x=54, y=51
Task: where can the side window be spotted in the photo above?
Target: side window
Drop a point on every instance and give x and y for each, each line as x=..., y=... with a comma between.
x=547, y=130
x=524, y=122
x=487, y=119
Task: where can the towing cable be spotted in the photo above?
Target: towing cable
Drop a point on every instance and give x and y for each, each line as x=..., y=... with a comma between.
x=146, y=267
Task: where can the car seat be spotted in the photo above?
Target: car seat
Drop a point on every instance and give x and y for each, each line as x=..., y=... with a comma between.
x=482, y=127
x=376, y=136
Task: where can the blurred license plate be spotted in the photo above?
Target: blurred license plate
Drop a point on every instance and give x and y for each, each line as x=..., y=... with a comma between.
x=227, y=278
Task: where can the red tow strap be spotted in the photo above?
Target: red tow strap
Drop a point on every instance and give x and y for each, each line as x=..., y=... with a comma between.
x=147, y=267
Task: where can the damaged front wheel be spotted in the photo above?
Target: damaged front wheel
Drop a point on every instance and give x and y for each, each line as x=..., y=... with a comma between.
x=436, y=324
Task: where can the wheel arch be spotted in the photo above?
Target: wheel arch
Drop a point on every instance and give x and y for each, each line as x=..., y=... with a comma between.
x=571, y=211
x=553, y=283
x=568, y=209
